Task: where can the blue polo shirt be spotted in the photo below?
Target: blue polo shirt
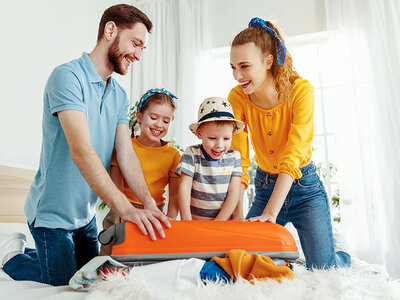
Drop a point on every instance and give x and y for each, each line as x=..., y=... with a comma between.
x=59, y=196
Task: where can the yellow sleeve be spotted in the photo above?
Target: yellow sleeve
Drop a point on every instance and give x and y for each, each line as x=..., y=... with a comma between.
x=240, y=141
x=301, y=132
x=175, y=162
x=114, y=161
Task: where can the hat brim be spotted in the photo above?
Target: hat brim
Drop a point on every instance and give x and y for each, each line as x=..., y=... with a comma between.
x=239, y=124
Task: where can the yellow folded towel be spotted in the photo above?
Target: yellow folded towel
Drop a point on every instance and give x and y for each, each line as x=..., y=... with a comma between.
x=237, y=263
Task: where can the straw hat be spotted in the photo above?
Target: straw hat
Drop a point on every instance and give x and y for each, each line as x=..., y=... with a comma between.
x=215, y=109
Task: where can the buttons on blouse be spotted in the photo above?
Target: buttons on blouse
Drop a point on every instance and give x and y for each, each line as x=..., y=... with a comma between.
x=275, y=167
x=271, y=151
x=268, y=114
x=269, y=133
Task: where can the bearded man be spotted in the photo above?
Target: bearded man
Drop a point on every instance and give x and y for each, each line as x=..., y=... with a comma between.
x=85, y=115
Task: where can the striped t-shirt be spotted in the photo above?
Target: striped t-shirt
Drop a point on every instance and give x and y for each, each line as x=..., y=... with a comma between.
x=211, y=179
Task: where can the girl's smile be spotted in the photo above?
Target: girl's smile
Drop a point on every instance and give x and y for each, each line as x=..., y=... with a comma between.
x=154, y=123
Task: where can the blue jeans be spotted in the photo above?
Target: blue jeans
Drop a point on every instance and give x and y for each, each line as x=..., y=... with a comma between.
x=307, y=208
x=58, y=255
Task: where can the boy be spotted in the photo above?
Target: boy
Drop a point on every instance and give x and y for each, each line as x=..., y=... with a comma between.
x=210, y=173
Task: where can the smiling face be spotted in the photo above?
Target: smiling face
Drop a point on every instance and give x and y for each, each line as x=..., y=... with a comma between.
x=154, y=123
x=250, y=67
x=127, y=48
x=216, y=138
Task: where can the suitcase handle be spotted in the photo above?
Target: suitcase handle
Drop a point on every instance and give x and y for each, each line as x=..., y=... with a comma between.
x=107, y=236
x=114, y=233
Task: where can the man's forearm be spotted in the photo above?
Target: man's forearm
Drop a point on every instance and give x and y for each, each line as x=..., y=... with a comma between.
x=98, y=179
x=133, y=173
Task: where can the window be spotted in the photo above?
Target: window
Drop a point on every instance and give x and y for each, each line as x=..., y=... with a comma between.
x=314, y=59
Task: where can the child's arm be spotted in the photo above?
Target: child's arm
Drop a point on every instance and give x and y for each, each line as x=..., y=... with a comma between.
x=117, y=177
x=173, y=197
x=231, y=200
x=184, y=194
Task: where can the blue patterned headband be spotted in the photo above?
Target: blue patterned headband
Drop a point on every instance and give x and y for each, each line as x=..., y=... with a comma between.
x=279, y=45
x=151, y=92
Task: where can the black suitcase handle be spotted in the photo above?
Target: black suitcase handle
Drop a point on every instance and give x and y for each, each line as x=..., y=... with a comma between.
x=114, y=234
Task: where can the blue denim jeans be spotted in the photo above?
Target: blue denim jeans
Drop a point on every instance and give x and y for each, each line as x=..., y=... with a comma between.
x=307, y=208
x=58, y=255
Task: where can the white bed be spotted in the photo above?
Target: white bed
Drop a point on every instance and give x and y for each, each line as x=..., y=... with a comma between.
x=11, y=289
x=334, y=284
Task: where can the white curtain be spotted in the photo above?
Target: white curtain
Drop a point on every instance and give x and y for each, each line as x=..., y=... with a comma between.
x=365, y=34
x=171, y=58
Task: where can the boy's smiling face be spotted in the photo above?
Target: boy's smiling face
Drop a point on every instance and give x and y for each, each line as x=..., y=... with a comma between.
x=216, y=138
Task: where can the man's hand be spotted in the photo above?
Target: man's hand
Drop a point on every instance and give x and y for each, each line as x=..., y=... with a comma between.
x=145, y=219
x=150, y=205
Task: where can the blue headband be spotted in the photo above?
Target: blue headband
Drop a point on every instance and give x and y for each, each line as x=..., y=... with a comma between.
x=151, y=92
x=279, y=45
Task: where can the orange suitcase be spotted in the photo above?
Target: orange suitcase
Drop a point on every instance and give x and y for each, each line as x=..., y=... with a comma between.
x=199, y=239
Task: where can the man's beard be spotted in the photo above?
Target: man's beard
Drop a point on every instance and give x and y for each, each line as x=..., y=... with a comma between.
x=116, y=57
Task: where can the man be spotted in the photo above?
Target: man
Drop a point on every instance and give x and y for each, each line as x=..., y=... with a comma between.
x=85, y=114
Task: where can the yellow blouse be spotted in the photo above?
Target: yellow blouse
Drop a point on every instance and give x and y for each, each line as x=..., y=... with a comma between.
x=158, y=164
x=281, y=137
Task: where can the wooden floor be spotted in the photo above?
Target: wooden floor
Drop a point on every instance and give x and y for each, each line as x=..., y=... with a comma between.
x=14, y=187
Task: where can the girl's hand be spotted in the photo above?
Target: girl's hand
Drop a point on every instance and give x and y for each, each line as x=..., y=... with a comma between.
x=264, y=218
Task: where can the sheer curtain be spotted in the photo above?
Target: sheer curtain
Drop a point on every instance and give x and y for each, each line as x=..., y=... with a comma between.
x=365, y=35
x=170, y=60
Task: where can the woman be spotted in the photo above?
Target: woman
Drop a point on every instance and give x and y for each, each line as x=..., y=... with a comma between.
x=277, y=106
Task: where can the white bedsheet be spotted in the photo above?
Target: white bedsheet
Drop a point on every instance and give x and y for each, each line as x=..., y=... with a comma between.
x=24, y=290
x=337, y=282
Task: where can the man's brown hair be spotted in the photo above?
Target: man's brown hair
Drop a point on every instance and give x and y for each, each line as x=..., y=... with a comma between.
x=124, y=16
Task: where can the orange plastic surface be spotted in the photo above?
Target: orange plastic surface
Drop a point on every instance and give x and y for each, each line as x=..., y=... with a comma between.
x=208, y=236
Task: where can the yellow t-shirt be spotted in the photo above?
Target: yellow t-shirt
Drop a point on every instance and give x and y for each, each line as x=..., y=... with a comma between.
x=158, y=164
x=281, y=136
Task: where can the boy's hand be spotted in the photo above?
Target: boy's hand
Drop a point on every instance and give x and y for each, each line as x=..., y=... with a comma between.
x=237, y=217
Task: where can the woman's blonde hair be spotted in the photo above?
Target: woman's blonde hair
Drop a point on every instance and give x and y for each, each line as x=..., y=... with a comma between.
x=284, y=75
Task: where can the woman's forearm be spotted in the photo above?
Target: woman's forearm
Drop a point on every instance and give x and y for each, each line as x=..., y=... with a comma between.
x=282, y=186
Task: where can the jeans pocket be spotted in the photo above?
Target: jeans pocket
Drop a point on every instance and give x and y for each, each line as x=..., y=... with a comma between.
x=309, y=181
x=259, y=184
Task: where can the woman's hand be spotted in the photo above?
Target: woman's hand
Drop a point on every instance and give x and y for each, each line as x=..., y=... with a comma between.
x=265, y=217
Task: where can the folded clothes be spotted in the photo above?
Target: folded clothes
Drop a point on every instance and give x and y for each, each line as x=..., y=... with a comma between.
x=238, y=263
x=186, y=272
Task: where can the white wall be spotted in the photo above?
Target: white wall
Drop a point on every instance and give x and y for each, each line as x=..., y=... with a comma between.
x=294, y=17
x=39, y=35
x=36, y=37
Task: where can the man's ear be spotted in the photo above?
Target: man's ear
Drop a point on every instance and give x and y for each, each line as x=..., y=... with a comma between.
x=269, y=60
x=110, y=30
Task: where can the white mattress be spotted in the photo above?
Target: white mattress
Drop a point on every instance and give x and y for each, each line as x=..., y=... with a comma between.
x=28, y=289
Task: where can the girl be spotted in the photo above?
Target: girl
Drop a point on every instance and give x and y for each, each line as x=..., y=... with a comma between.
x=277, y=106
x=155, y=112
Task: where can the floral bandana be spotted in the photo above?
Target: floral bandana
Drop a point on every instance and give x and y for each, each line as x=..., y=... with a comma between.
x=279, y=45
x=151, y=92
